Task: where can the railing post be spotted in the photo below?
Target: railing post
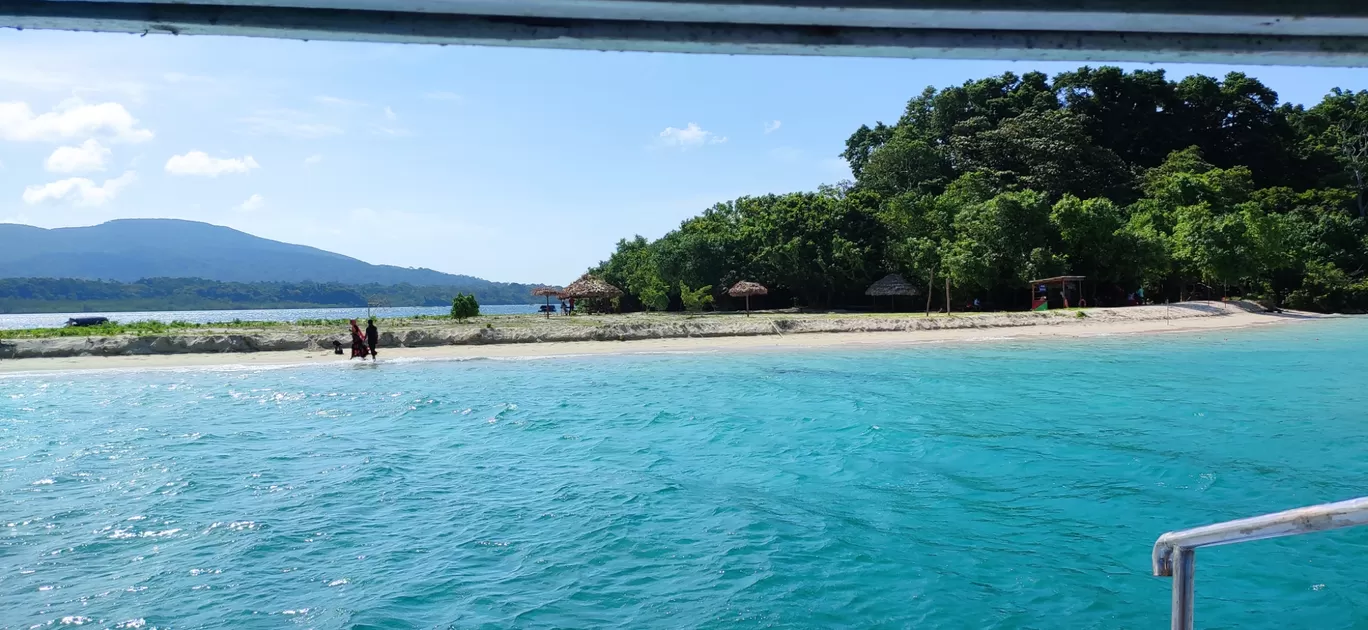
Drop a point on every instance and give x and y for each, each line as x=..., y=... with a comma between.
x=1175, y=552
x=1184, y=561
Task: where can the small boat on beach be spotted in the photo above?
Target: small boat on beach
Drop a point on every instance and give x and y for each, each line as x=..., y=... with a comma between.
x=86, y=321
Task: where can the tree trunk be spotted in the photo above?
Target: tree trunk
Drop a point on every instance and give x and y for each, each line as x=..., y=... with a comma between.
x=947, y=296
x=1358, y=176
x=930, y=291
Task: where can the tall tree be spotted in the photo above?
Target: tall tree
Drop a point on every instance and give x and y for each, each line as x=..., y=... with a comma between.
x=1092, y=239
x=1002, y=243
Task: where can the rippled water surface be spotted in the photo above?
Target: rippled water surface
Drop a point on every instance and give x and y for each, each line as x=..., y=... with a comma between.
x=1010, y=485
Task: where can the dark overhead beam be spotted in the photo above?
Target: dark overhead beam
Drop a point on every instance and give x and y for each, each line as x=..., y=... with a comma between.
x=1322, y=32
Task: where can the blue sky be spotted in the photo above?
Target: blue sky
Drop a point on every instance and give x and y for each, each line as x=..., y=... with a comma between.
x=508, y=164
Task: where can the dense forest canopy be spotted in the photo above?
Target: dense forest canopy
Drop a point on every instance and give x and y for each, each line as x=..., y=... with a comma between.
x=1200, y=187
x=38, y=295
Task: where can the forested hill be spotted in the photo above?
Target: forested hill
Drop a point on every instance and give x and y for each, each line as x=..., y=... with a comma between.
x=49, y=295
x=131, y=249
x=1196, y=187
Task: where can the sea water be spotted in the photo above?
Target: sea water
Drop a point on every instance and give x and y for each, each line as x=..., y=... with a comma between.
x=56, y=320
x=989, y=485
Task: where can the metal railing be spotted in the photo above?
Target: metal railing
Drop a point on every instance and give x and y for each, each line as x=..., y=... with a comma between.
x=1175, y=552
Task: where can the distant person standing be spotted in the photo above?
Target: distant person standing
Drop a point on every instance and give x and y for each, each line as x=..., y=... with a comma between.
x=372, y=336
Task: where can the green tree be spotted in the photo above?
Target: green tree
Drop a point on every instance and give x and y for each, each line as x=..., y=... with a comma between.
x=1334, y=139
x=1093, y=240
x=633, y=268
x=1048, y=151
x=1002, y=243
x=905, y=163
x=1130, y=113
x=1215, y=247
x=862, y=145
x=695, y=300
x=1328, y=288
x=919, y=231
x=1125, y=177
x=464, y=307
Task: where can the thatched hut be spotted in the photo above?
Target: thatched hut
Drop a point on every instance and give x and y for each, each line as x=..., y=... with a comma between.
x=892, y=285
x=590, y=288
x=548, y=292
x=746, y=289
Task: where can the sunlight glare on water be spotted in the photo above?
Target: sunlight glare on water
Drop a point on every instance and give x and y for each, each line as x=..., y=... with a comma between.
x=997, y=485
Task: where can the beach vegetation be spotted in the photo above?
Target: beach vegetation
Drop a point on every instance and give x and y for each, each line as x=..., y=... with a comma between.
x=1154, y=189
x=695, y=300
x=111, y=328
x=464, y=306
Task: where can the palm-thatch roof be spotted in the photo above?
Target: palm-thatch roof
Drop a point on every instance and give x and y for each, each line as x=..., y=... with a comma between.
x=746, y=288
x=892, y=284
x=547, y=291
x=590, y=287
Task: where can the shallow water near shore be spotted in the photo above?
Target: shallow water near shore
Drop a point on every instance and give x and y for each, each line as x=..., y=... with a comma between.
x=1003, y=485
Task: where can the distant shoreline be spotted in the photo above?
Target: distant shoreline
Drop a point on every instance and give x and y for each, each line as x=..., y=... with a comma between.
x=245, y=318
x=96, y=308
x=523, y=337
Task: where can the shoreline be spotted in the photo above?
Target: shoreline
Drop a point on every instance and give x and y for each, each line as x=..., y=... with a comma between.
x=1230, y=318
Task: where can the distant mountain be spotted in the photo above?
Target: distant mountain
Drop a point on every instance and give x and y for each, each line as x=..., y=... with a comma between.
x=131, y=249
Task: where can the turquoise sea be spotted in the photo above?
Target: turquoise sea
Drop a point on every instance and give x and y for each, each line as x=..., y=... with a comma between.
x=983, y=485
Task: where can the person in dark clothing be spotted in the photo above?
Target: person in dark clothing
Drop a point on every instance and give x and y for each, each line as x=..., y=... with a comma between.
x=358, y=346
x=372, y=336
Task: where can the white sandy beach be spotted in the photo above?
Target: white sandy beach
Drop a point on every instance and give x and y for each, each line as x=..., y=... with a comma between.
x=1115, y=322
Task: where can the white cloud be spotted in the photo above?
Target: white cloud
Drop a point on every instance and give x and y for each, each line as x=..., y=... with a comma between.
x=690, y=136
x=90, y=156
x=252, y=203
x=773, y=126
x=313, y=159
x=445, y=96
x=199, y=163
x=389, y=129
x=78, y=190
x=71, y=118
x=288, y=123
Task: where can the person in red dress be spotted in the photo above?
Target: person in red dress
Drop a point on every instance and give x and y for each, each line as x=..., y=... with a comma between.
x=359, y=348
